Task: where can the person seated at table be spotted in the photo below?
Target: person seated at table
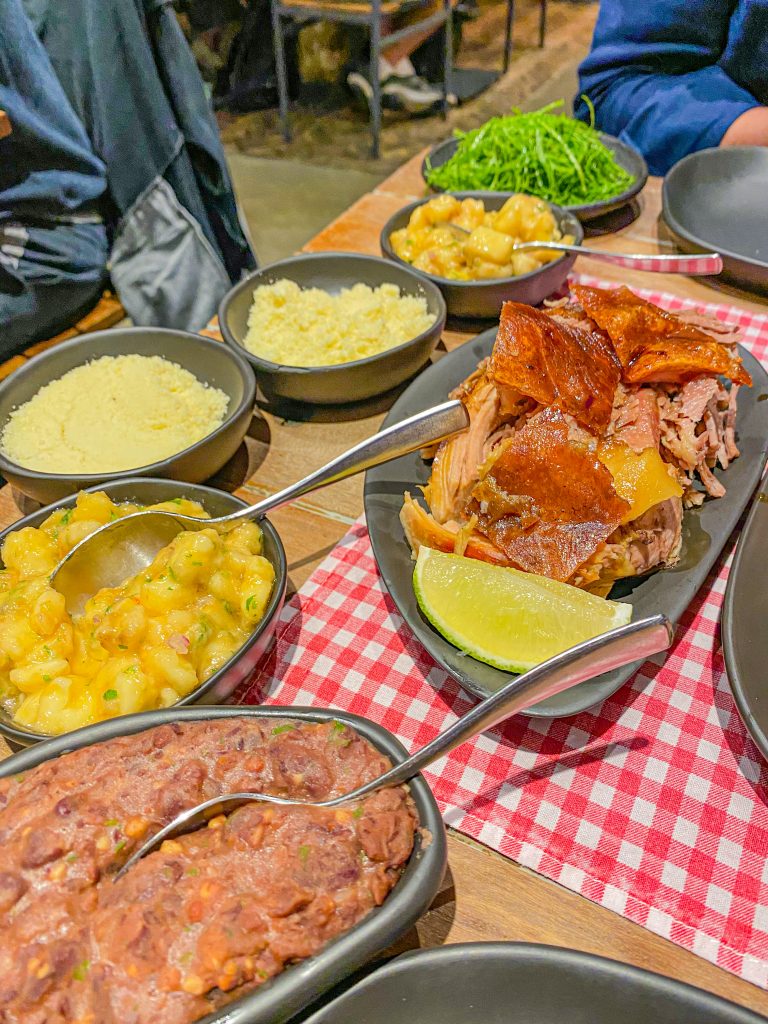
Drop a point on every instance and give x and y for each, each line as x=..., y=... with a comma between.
x=675, y=76
x=53, y=242
x=401, y=87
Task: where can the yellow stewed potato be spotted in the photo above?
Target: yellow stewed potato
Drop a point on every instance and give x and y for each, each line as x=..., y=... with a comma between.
x=463, y=241
x=136, y=647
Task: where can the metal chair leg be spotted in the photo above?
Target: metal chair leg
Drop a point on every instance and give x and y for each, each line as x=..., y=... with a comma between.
x=282, y=71
x=375, y=83
x=447, y=55
x=542, y=22
x=508, y=34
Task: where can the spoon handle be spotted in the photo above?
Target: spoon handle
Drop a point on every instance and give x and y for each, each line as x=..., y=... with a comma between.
x=663, y=263
x=416, y=432
x=634, y=642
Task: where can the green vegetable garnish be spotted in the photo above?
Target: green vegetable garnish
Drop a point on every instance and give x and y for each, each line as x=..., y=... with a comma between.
x=540, y=153
x=303, y=854
x=81, y=970
x=109, y=695
x=111, y=821
x=282, y=728
x=120, y=846
x=338, y=726
x=71, y=857
x=358, y=812
x=193, y=871
x=250, y=602
x=65, y=518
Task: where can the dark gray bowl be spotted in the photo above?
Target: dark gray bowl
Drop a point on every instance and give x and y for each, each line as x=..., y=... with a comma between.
x=483, y=299
x=345, y=382
x=711, y=203
x=221, y=684
x=522, y=983
x=209, y=360
x=626, y=156
x=300, y=985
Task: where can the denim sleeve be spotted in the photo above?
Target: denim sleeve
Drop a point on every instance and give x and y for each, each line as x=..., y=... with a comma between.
x=654, y=78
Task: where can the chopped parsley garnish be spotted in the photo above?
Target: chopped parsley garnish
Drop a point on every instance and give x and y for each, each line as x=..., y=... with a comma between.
x=47, y=651
x=81, y=970
x=358, y=812
x=193, y=871
x=338, y=726
x=132, y=668
x=109, y=695
x=282, y=728
x=250, y=602
x=72, y=857
x=175, y=501
x=46, y=678
x=120, y=846
x=122, y=647
x=303, y=854
x=195, y=563
x=172, y=574
x=228, y=608
x=66, y=517
x=111, y=821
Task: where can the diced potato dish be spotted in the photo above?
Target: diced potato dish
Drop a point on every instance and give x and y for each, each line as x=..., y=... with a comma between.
x=462, y=241
x=137, y=647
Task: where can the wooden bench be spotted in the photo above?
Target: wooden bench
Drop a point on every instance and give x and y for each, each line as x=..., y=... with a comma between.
x=105, y=314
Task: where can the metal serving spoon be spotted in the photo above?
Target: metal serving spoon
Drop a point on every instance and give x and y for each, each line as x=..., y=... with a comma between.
x=634, y=642
x=666, y=263
x=124, y=547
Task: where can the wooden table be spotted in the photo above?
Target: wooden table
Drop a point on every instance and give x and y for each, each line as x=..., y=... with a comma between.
x=5, y=125
x=485, y=896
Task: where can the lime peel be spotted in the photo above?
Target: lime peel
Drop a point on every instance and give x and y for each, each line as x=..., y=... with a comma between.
x=510, y=619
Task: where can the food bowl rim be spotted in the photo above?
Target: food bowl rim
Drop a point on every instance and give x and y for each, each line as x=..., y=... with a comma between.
x=247, y=401
x=23, y=736
x=436, y=327
x=491, y=282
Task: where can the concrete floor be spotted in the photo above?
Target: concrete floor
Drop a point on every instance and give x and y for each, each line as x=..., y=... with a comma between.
x=285, y=202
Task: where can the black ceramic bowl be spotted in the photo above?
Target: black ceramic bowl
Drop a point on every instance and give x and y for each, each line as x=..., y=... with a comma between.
x=218, y=687
x=519, y=983
x=301, y=984
x=209, y=360
x=344, y=382
x=710, y=201
x=483, y=299
x=626, y=156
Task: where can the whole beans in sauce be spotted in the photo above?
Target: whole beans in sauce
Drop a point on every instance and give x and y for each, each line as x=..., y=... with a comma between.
x=210, y=915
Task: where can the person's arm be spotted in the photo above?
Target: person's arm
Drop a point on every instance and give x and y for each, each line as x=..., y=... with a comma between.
x=750, y=129
x=654, y=78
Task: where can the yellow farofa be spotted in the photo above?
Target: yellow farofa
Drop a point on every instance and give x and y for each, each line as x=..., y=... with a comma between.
x=137, y=647
x=310, y=327
x=113, y=413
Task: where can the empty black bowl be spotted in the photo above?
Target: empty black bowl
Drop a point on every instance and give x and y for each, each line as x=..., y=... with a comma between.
x=483, y=299
x=626, y=156
x=711, y=202
x=209, y=360
x=342, y=382
x=218, y=687
x=520, y=983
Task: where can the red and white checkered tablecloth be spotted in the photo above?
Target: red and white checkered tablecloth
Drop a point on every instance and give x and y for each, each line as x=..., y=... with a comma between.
x=653, y=804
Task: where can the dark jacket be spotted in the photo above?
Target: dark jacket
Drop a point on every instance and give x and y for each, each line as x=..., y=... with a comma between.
x=131, y=78
x=671, y=76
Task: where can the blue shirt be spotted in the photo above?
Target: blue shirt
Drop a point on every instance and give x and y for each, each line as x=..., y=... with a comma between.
x=48, y=169
x=671, y=76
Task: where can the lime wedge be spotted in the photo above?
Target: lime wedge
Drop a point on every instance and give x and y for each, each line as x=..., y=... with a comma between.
x=510, y=619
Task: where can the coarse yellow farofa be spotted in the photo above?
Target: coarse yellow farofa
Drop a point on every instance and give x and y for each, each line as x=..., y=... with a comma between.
x=297, y=326
x=137, y=647
x=112, y=414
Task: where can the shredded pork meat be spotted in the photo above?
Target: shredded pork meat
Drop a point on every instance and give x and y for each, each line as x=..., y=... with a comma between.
x=524, y=486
